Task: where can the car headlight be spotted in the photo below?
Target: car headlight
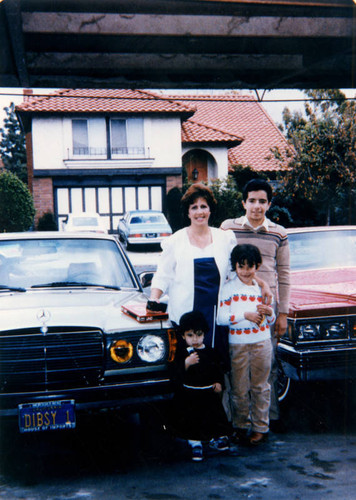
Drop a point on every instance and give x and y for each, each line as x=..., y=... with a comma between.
x=325, y=330
x=335, y=331
x=121, y=351
x=309, y=332
x=151, y=348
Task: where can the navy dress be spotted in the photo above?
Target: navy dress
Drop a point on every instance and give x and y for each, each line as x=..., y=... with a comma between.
x=206, y=292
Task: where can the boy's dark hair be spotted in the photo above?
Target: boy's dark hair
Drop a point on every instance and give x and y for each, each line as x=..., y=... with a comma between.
x=257, y=185
x=193, y=320
x=196, y=191
x=245, y=253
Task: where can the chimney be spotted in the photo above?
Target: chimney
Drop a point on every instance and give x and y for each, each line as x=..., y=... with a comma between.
x=26, y=94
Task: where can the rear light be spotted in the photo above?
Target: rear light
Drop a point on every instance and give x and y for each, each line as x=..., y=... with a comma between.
x=137, y=235
x=165, y=234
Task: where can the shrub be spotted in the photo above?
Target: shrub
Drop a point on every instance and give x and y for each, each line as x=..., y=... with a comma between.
x=47, y=222
x=16, y=204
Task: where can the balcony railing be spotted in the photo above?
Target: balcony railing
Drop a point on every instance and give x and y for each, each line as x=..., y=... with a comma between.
x=89, y=151
x=127, y=151
x=137, y=150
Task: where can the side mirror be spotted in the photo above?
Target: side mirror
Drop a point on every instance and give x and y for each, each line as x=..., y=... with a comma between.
x=146, y=278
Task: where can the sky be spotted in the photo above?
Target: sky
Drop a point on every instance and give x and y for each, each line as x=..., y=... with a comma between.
x=274, y=101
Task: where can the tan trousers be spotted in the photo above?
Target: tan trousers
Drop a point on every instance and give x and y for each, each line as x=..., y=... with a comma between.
x=250, y=389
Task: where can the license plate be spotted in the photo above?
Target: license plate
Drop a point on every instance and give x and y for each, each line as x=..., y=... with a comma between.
x=151, y=235
x=51, y=415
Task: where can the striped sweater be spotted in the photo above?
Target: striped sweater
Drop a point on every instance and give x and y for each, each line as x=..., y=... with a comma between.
x=274, y=247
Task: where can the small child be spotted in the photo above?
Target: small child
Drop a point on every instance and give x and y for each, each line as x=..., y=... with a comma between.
x=249, y=321
x=198, y=380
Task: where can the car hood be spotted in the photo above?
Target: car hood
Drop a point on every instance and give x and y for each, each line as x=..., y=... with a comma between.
x=70, y=307
x=319, y=290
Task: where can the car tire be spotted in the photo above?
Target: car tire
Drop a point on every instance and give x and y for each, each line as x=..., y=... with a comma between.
x=283, y=384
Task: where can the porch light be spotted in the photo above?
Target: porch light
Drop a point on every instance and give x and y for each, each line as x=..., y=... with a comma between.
x=195, y=174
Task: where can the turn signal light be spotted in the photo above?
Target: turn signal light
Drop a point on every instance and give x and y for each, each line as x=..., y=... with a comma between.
x=121, y=351
x=172, y=339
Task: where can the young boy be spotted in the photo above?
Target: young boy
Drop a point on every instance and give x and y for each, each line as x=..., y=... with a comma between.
x=198, y=380
x=249, y=321
x=272, y=241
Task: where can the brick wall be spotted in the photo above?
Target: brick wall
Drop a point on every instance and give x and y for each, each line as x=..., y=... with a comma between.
x=42, y=196
x=29, y=160
x=173, y=181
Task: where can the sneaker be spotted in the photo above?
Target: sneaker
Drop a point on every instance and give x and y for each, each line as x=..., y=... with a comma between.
x=197, y=453
x=220, y=444
x=240, y=436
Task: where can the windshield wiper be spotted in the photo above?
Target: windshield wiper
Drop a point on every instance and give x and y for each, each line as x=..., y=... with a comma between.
x=12, y=288
x=55, y=284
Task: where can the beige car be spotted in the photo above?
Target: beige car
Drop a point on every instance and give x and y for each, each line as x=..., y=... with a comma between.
x=84, y=222
x=66, y=344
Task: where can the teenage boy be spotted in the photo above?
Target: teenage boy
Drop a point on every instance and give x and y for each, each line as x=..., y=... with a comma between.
x=249, y=321
x=271, y=239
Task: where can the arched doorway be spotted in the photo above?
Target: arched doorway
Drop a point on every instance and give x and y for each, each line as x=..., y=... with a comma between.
x=197, y=164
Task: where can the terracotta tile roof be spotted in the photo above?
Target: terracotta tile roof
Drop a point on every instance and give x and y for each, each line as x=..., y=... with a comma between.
x=240, y=116
x=193, y=131
x=104, y=100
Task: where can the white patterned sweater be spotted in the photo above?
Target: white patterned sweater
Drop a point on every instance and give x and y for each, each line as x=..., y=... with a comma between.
x=236, y=298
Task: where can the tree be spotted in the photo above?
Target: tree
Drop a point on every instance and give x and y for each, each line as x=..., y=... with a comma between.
x=12, y=145
x=16, y=204
x=323, y=171
x=228, y=199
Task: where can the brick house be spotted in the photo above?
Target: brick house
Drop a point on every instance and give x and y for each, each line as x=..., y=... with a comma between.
x=110, y=151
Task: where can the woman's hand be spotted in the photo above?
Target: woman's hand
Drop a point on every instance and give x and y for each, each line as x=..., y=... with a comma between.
x=156, y=294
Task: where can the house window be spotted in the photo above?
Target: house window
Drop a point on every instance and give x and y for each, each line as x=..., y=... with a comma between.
x=127, y=136
x=89, y=137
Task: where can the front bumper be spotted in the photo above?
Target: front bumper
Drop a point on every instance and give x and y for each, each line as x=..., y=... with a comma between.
x=134, y=393
x=318, y=362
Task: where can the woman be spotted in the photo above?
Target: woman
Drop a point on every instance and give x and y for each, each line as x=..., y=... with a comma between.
x=194, y=264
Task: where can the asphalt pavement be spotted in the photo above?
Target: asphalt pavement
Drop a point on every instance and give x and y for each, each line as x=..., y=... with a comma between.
x=110, y=456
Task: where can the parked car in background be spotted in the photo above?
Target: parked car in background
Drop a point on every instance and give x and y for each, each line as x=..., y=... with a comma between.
x=66, y=346
x=139, y=227
x=320, y=343
x=86, y=221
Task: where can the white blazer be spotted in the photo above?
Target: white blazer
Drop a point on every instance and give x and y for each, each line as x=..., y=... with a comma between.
x=175, y=271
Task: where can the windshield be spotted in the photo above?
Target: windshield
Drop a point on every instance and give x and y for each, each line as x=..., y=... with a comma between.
x=148, y=219
x=323, y=249
x=30, y=263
